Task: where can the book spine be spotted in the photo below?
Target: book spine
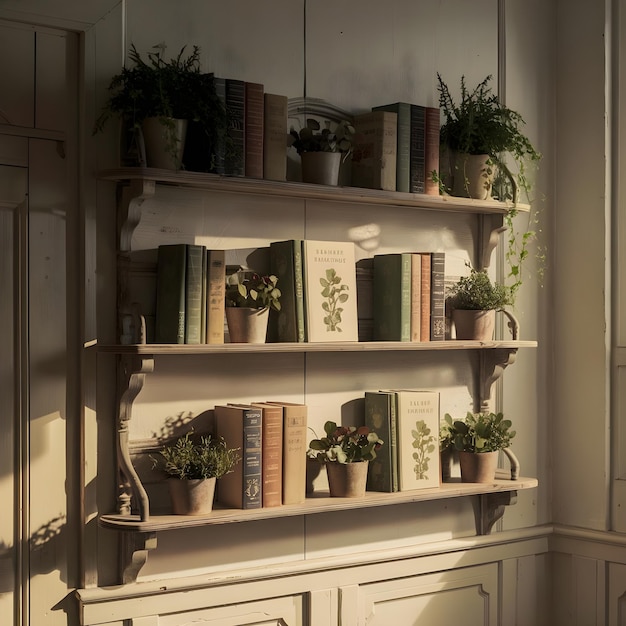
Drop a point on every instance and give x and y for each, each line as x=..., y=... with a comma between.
x=298, y=265
x=294, y=454
x=219, y=151
x=425, y=296
x=378, y=416
x=216, y=288
x=416, y=296
x=432, y=125
x=203, y=302
x=392, y=297
x=193, y=294
x=272, y=455
x=418, y=154
x=275, y=137
x=170, y=294
x=254, y=122
x=403, y=143
x=437, y=297
x=252, y=459
x=236, y=112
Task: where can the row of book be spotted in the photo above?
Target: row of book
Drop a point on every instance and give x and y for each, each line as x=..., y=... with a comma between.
x=272, y=439
x=407, y=420
x=408, y=295
x=396, y=148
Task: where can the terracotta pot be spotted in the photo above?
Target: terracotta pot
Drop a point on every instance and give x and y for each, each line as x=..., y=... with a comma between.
x=473, y=177
x=321, y=168
x=478, y=467
x=247, y=325
x=475, y=325
x=192, y=497
x=347, y=480
x=164, y=140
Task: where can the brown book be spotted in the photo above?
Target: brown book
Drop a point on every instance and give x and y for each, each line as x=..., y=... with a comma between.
x=431, y=150
x=275, y=137
x=295, y=445
x=416, y=296
x=253, y=129
x=215, y=294
x=425, y=313
x=271, y=453
x=374, y=150
x=240, y=426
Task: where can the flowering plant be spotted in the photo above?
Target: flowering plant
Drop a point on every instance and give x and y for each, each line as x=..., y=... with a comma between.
x=345, y=444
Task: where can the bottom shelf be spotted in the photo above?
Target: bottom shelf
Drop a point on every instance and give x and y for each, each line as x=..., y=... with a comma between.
x=315, y=503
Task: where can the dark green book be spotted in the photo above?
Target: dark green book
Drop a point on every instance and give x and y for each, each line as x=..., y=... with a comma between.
x=417, y=163
x=403, y=153
x=235, y=112
x=170, y=294
x=392, y=297
x=193, y=293
x=437, y=296
x=288, y=324
x=380, y=416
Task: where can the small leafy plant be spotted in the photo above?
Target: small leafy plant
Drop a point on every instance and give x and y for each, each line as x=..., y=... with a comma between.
x=424, y=444
x=478, y=432
x=477, y=292
x=254, y=291
x=345, y=444
x=335, y=295
x=206, y=458
x=326, y=140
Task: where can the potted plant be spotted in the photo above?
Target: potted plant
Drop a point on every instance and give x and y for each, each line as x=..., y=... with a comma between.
x=249, y=298
x=156, y=99
x=346, y=452
x=474, y=300
x=193, y=468
x=483, y=128
x=477, y=439
x=321, y=149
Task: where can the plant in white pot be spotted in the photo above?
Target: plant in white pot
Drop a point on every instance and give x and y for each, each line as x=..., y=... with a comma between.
x=477, y=439
x=474, y=300
x=249, y=298
x=193, y=467
x=322, y=150
x=346, y=452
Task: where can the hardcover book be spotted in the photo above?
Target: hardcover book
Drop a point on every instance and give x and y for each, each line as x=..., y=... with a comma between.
x=275, y=137
x=219, y=153
x=374, y=150
x=392, y=297
x=215, y=298
x=380, y=416
x=295, y=445
x=253, y=129
x=425, y=296
x=418, y=439
x=288, y=324
x=241, y=427
x=437, y=296
x=330, y=291
x=431, y=149
x=170, y=294
x=403, y=142
x=418, y=149
x=271, y=453
x=193, y=294
x=416, y=296
x=236, y=113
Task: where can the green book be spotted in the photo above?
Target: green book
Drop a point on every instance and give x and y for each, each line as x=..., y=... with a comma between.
x=193, y=294
x=170, y=294
x=392, y=297
x=288, y=324
x=403, y=153
x=380, y=416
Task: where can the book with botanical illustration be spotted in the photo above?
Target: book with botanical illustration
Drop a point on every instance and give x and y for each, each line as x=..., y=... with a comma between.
x=330, y=291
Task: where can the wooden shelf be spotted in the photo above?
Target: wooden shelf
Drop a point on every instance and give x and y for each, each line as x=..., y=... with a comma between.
x=354, y=195
x=317, y=503
x=274, y=348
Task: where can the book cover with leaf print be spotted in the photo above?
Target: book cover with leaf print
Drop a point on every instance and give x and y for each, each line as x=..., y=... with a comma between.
x=330, y=291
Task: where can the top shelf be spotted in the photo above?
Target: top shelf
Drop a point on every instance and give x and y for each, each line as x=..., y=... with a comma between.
x=354, y=195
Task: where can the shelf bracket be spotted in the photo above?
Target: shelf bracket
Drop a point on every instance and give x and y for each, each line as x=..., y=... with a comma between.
x=134, y=548
x=132, y=375
x=490, y=226
x=492, y=364
x=130, y=201
x=490, y=508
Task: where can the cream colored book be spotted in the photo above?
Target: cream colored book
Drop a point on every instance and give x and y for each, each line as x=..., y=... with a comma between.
x=330, y=291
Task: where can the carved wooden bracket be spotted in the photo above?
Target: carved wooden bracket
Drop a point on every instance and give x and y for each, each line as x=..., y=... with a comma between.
x=489, y=508
x=492, y=364
x=490, y=226
x=129, y=205
x=134, y=548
